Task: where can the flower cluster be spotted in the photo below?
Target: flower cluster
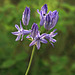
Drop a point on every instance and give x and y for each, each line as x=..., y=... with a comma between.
x=49, y=20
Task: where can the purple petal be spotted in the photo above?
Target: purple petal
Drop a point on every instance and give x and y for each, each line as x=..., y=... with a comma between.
x=47, y=23
x=32, y=43
x=47, y=36
x=38, y=11
x=38, y=44
x=43, y=35
x=15, y=33
x=21, y=25
x=42, y=21
x=26, y=16
x=44, y=9
x=52, y=44
x=23, y=18
x=54, y=30
x=43, y=41
x=25, y=32
x=17, y=27
x=22, y=38
x=54, y=34
x=18, y=38
x=28, y=36
x=34, y=31
x=52, y=40
x=54, y=18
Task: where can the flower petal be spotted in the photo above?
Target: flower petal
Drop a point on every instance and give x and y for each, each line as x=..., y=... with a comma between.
x=38, y=44
x=52, y=40
x=54, y=18
x=44, y=9
x=26, y=16
x=47, y=36
x=21, y=25
x=34, y=31
x=52, y=44
x=42, y=21
x=38, y=11
x=28, y=36
x=17, y=27
x=15, y=33
x=18, y=38
x=25, y=32
x=43, y=35
x=32, y=43
x=54, y=34
x=54, y=30
x=43, y=41
x=47, y=23
x=22, y=38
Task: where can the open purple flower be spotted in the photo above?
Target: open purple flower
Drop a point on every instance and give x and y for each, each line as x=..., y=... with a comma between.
x=42, y=13
x=20, y=32
x=50, y=37
x=26, y=16
x=39, y=38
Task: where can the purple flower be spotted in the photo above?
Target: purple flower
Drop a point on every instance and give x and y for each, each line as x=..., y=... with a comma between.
x=50, y=37
x=44, y=10
x=42, y=21
x=51, y=20
x=47, y=22
x=42, y=13
x=26, y=16
x=39, y=38
x=20, y=32
x=34, y=31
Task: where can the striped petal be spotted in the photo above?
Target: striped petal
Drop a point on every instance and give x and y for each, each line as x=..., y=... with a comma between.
x=43, y=35
x=38, y=44
x=32, y=43
x=43, y=41
x=17, y=27
x=18, y=38
x=15, y=33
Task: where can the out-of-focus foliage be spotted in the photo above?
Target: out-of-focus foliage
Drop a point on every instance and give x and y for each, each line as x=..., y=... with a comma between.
x=14, y=56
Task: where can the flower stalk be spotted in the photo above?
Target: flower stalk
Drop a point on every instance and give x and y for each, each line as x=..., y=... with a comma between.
x=30, y=60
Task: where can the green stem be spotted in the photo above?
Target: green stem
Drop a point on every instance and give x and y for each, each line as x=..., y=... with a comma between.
x=30, y=60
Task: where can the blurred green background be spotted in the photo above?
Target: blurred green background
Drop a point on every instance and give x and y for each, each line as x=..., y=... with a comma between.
x=14, y=56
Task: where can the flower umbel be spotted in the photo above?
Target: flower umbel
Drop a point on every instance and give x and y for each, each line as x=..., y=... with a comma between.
x=48, y=20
